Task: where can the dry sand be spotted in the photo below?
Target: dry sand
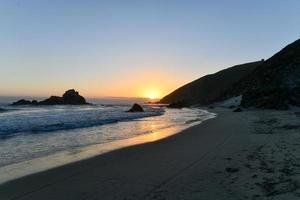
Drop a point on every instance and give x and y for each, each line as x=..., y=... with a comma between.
x=244, y=155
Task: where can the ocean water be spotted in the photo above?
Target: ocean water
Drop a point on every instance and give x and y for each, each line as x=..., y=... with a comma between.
x=29, y=133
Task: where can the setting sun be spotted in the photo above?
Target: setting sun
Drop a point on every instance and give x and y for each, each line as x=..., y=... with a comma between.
x=152, y=94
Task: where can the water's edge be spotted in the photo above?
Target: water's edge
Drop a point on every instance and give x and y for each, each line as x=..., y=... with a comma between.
x=37, y=165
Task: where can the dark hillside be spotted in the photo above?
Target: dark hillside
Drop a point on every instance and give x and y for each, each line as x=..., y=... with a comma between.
x=210, y=88
x=275, y=83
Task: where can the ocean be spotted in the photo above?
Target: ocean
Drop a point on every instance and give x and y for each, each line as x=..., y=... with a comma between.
x=35, y=138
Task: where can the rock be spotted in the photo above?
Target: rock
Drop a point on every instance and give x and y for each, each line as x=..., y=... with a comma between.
x=21, y=102
x=136, y=108
x=73, y=97
x=237, y=110
x=70, y=97
x=53, y=100
x=34, y=102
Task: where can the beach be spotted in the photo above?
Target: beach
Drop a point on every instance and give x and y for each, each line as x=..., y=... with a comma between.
x=150, y=100
x=237, y=155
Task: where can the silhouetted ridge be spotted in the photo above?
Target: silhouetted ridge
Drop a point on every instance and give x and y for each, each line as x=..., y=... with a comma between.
x=209, y=88
x=274, y=83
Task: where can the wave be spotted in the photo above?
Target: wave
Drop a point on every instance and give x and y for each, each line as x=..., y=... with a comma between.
x=46, y=119
x=2, y=110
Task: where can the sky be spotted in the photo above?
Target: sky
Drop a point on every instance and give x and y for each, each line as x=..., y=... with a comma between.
x=134, y=48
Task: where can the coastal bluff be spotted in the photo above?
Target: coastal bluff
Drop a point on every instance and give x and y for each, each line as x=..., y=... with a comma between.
x=70, y=97
x=268, y=84
x=210, y=88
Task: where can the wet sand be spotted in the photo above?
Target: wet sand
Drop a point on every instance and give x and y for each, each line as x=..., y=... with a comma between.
x=244, y=155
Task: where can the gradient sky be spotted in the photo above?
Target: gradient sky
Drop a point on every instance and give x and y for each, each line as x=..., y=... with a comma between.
x=130, y=47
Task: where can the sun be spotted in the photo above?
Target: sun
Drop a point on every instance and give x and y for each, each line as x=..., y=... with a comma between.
x=152, y=94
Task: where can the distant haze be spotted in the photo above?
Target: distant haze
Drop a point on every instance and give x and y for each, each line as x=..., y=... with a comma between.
x=133, y=48
x=6, y=100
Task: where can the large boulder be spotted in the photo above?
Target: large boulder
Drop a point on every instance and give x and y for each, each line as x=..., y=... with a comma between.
x=73, y=97
x=136, y=108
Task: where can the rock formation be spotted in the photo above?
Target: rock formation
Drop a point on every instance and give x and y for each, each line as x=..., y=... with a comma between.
x=136, y=108
x=73, y=97
x=70, y=97
x=22, y=102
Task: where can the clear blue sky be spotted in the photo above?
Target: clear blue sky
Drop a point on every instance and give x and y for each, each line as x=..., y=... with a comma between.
x=114, y=48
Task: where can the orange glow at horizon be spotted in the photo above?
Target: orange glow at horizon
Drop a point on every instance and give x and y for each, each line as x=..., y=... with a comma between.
x=152, y=94
x=152, y=84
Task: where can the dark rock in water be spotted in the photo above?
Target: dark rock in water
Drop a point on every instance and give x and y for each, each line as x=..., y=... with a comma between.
x=231, y=107
x=53, y=100
x=211, y=107
x=2, y=110
x=237, y=110
x=70, y=97
x=177, y=104
x=34, y=102
x=22, y=102
x=73, y=97
x=136, y=108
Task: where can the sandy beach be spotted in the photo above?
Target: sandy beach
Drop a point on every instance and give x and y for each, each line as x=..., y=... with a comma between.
x=242, y=155
x=150, y=100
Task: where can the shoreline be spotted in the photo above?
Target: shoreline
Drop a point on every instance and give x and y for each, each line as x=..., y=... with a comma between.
x=222, y=158
x=41, y=164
